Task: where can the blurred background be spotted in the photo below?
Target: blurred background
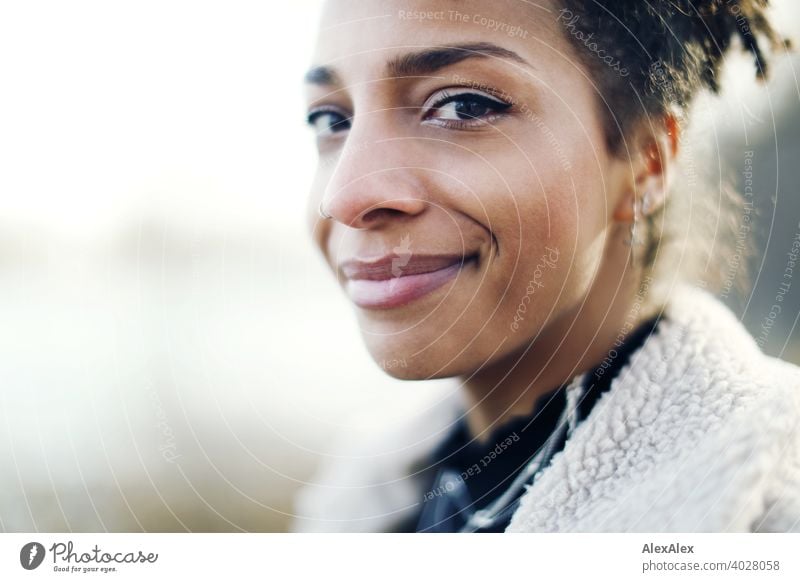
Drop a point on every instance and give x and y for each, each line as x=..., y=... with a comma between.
x=173, y=354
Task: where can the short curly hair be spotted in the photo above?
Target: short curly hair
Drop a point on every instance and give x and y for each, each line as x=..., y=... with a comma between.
x=671, y=50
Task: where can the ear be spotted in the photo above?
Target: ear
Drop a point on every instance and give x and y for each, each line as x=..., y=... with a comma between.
x=651, y=162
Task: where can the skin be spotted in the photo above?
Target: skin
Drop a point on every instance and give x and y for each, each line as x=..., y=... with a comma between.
x=534, y=181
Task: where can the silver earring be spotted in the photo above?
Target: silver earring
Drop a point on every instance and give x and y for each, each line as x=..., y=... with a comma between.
x=322, y=212
x=640, y=210
x=647, y=203
x=632, y=239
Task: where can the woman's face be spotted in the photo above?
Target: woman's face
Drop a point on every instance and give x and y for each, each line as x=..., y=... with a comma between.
x=463, y=165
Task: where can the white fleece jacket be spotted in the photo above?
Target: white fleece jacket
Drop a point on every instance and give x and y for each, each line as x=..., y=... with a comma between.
x=700, y=432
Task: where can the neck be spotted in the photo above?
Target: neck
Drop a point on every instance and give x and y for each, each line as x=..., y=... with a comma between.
x=577, y=342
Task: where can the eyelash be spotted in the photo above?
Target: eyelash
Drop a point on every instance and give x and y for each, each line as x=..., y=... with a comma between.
x=317, y=113
x=497, y=106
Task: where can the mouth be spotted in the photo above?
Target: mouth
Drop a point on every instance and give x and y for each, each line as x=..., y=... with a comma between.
x=395, y=280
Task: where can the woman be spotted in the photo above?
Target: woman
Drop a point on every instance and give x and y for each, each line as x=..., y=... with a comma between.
x=498, y=194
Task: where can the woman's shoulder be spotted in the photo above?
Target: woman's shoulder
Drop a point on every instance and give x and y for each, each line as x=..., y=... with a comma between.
x=701, y=335
x=699, y=420
x=715, y=369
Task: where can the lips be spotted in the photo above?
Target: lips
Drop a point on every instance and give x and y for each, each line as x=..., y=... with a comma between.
x=396, y=280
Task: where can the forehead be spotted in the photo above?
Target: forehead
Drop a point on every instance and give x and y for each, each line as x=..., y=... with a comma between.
x=361, y=35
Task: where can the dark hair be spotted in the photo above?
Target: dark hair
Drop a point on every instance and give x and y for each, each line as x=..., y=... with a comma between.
x=668, y=49
x=648, y=58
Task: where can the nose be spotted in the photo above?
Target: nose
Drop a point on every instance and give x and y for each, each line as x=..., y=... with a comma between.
x=375, y=183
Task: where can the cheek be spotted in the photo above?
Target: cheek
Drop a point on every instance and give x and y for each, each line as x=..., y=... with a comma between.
x=549, y=216
x=538, y=202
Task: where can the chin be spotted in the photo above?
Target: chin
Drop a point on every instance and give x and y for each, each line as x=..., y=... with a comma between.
x=402, y=371
x=396, y=364
x=422, y=358
x=429, y=370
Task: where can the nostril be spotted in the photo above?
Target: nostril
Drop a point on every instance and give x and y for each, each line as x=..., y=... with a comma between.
x=378, y=214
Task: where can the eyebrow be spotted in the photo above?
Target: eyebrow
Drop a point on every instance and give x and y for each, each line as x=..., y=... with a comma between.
x=424, y=62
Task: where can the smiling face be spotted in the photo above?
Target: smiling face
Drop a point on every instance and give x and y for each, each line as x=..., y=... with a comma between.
x=463, y=165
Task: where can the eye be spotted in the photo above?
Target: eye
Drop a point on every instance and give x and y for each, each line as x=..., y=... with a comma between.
x=326, y=121
x=464, y=110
